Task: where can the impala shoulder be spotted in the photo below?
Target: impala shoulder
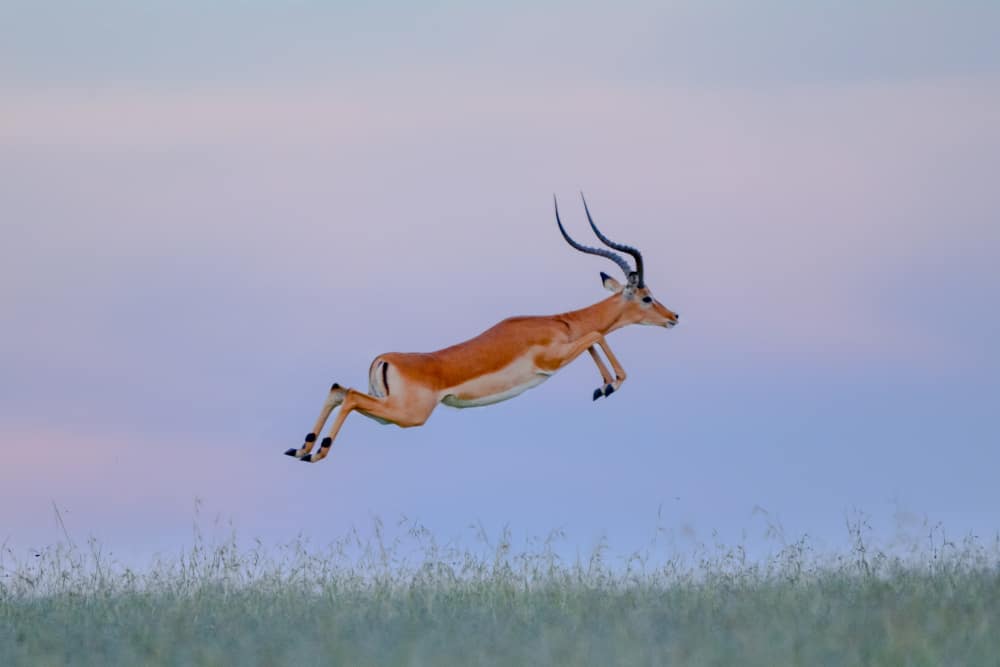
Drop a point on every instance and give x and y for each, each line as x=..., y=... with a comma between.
x=562, y=324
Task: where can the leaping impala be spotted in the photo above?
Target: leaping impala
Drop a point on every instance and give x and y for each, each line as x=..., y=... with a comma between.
x=502, y=362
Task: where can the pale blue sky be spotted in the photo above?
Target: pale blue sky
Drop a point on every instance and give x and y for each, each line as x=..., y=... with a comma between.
x=211, y=213
x=686, y=42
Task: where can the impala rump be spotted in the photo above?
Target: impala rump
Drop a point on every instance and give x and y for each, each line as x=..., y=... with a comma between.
x=378, y=378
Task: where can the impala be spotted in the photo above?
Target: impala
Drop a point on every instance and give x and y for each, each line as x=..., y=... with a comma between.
x=502, y=362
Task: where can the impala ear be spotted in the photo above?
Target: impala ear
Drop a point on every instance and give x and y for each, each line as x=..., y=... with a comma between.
x=610, y=283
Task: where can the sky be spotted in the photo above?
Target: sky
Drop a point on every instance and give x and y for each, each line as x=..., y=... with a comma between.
x=211, y=211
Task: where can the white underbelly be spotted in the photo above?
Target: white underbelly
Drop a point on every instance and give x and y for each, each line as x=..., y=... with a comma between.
x=494, y=387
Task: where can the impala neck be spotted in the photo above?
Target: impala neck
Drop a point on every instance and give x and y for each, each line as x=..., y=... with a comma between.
x=604, y=316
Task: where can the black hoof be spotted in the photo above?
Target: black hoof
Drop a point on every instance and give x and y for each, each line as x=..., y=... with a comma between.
x=598, y=393
x=307, y=458
x=291, y=452
x=609, y=390
x=310, y=437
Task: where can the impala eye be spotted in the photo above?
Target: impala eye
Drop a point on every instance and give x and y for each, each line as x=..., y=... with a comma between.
x=647, y=299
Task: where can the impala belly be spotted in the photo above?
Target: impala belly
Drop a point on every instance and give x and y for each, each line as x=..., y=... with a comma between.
x=495, y=387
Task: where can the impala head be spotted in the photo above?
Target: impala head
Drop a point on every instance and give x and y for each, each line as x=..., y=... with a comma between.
x=639, y=304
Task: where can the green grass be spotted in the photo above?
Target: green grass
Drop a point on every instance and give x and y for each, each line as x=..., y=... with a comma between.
x=414, y=602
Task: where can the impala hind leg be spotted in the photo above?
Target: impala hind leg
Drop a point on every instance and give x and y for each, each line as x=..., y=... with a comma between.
x=405, y=412
x=333, y=399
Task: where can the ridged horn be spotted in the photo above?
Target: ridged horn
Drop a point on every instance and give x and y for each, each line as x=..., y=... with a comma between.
x=614, y=257
x=617, y=246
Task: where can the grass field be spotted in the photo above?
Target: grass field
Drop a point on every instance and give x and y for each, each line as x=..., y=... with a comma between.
x=413, y=602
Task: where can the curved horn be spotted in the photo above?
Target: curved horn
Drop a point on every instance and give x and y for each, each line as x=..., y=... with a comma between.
x=617, y=246
x=617, y=259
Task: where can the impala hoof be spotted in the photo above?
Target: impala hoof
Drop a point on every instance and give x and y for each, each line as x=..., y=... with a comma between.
x=609, y=390
x=307, y=458
x=598, y=393
x=291, y=452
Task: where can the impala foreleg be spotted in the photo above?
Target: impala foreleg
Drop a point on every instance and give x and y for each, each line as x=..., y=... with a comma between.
x=605, y=374
x=587, y=343
x=333, y=399
x=619, y=371
x=394, y=409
